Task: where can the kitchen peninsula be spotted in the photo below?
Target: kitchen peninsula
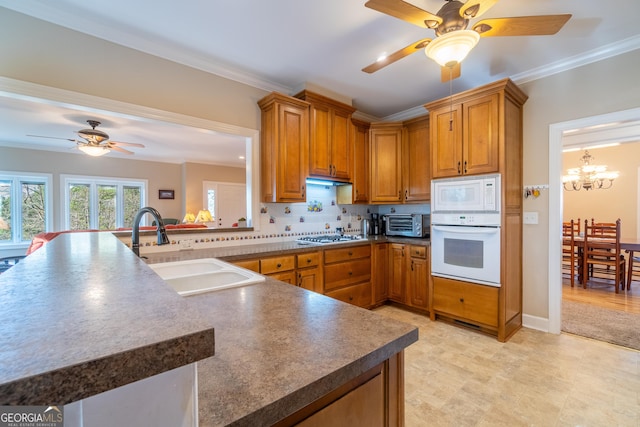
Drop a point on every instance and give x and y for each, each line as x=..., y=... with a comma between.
x=78, y=308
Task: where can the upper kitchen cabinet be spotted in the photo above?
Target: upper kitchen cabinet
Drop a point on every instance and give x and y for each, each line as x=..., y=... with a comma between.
x=385, y=142
x=330, y=147
x=284, y=148
x=358, y=191
x=470, y=131
x=416, y=173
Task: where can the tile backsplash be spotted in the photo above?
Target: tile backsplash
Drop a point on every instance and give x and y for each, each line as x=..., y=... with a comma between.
x=280, y=222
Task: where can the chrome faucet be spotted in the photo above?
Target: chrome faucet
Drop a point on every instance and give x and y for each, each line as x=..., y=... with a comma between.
x=163, y=239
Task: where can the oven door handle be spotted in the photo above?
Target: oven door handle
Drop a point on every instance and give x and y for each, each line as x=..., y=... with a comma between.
x=466, y=230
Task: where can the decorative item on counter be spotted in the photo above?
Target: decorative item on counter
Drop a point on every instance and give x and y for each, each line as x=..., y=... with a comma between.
x=287, y=210
x=272, y=220
x=287, y=228
x=189, y=218
x=314, y=206
x=301, y=219
x=263, y=209
x=242, y=222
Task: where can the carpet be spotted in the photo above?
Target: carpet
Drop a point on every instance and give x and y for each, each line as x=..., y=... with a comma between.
x=602, y=324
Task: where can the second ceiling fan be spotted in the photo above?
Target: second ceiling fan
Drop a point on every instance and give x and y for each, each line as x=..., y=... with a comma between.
x=453, y=40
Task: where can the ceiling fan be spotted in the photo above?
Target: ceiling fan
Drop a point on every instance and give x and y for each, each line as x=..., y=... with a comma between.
x=96, y=142
x=453, y=41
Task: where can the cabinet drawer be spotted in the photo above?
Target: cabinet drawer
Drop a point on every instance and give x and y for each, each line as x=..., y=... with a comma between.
x=346, y=273
x=286, y=276
x=468, y=301
x=359, y=294
x=418, y=251
x=345, y=254
x=249, y=264
x=276, y=265
x=310, y=259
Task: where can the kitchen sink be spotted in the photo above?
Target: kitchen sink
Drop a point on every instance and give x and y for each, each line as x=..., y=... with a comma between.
x=204, y=275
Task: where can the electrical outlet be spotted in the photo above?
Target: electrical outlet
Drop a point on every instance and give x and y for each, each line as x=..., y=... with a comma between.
x=530, y=217
x=185, y=243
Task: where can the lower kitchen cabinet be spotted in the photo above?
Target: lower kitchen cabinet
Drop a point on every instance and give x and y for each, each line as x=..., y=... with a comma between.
x=409, y=275
x=347, y=274
x=310, y=271
x=380, y=279
x=466, y=302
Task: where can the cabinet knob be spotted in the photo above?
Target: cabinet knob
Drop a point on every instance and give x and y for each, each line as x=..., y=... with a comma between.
x=411, y=265
x=308, y=260
x=351, y=273
x=399, y=194
x=278, y=265
x=350, y=297
x=406, y=194
x=350, y=253
x=458, y=168
x=465, y=166
x=461, y=299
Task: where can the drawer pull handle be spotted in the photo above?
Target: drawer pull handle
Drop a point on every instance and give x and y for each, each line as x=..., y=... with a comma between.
x=278, y=265
x=350, y=253
x=308, y=260
x=351, y=273
x=461, y=299
x=350, y=297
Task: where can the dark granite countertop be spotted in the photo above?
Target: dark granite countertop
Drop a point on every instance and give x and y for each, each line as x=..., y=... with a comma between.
x=83, y=315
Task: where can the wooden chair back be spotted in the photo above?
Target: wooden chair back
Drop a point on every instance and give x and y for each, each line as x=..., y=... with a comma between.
x=602, y=251
x=570, y=258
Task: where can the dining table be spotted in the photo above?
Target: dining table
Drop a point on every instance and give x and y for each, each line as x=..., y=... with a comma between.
x=629, y=244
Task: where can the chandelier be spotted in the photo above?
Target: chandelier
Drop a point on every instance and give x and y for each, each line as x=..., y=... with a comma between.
x=588, y=176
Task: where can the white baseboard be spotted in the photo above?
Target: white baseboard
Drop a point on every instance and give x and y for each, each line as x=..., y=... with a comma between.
x=534, y=322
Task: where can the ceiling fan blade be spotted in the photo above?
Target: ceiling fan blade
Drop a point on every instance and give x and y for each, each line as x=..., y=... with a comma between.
x=54, y=137
x=406, y=12
x=521, y=26
x=450, y=73
x=126, y=144
x=120, y=150
x=395, y=56
x=475, y=8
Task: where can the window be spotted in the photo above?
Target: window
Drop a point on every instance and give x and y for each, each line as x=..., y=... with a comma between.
x=101, y=203
x=25, y=207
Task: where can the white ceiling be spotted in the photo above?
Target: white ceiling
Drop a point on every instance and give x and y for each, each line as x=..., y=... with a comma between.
x=285, y=45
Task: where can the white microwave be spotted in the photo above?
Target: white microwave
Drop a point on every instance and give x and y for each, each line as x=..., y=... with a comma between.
x=480, y=193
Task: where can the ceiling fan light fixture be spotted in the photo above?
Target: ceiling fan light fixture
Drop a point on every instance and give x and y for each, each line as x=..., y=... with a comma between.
x=93, y=150
x=451, y=48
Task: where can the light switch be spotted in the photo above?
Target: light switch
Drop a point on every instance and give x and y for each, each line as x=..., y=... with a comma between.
x=530, y=217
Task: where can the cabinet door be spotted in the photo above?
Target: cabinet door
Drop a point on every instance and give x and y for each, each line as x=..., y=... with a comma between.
x=397, y=270
x=341, y=145
x=311, y=279
x=419, y=283
x=249, y=264
x=287, y=277
x=293, y=145
x=386, y=163
x=380, y=272
x=360, y=171
x=320, y=143
x=446, y=141
x=480, y=135
x=416, y=163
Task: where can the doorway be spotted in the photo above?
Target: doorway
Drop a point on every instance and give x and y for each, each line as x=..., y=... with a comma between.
x=629, y=119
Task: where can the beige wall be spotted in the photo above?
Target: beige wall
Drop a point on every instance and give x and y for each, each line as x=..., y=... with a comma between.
x=165, y=176
x=42, y=53
x=620, y=201
x=195, y=173
x=591, y=90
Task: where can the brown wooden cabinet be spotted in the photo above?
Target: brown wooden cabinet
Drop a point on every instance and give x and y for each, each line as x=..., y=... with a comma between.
x=416, y=164
x=385, y=142
x=284, y=147
x=309, y=271
x=419, y=273
x=358, y=190
x=380, y=279
x=347, y=274
x=465, y=140
x=397, y=273
x=486, y=137
x=330, y=146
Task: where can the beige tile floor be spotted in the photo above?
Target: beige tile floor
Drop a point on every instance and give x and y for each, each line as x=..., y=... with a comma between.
x=456, y=377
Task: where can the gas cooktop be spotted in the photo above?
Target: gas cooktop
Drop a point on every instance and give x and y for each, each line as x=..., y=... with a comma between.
x=327, y=238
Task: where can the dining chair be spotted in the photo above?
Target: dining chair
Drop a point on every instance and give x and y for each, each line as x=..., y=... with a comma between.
x=570, y=258
x=633, y=268
x=601, y=253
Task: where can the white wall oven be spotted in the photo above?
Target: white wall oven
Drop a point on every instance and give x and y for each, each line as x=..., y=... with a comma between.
x=465, y=229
